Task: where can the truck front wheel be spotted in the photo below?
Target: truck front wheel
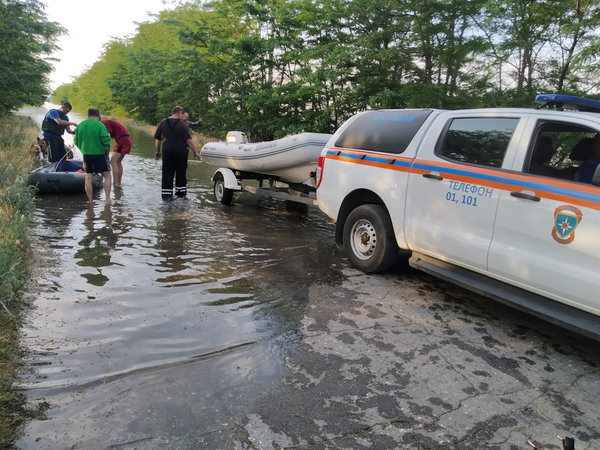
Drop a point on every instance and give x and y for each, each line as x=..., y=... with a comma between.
x=369, y=239
x=222, y=194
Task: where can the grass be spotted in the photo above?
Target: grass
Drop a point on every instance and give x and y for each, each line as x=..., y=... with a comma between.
x=17, y=133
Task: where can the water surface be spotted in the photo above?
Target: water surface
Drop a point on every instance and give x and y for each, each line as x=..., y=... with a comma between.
x=140, y=305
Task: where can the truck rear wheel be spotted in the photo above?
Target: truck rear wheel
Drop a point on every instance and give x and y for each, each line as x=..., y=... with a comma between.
x=222, y=194
x=369, y=239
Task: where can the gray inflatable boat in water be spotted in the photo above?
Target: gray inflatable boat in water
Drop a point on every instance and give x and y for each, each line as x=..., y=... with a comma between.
x=62, y=177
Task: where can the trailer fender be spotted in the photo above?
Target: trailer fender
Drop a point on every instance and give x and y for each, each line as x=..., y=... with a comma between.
x=230, y=181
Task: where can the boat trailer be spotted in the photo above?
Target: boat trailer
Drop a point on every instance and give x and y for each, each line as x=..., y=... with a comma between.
x=228, y=181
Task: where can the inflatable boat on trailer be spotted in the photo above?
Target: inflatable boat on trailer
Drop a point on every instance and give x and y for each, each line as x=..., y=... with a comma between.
x=63, y=177
x=290, y=159
x=287, y=164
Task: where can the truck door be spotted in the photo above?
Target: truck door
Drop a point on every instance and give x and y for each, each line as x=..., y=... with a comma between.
x=547, y=232
x=452, y=194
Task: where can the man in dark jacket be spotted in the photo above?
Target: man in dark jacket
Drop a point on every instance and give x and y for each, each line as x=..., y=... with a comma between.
x=174, y=136
x=54, y=125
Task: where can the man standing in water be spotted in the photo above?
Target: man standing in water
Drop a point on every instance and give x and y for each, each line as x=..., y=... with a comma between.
x=174, y=135
x=54, y=125
x=122, y=147
x=92, y=138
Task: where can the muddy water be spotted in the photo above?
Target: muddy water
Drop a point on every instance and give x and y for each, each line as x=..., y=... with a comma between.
x=161, y=317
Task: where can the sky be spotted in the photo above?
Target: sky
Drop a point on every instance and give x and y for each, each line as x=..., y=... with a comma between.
x=91, y=24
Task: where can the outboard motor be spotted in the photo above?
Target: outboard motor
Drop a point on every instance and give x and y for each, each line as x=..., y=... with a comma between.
x=236, y=137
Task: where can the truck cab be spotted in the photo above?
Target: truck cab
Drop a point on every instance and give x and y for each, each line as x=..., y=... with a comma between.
x=493, y=199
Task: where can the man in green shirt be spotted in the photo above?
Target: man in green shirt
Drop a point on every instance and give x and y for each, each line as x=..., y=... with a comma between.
x=92, y=138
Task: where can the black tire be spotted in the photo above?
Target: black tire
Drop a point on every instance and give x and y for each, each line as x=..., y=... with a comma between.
x=222, y=194
x=369, y=239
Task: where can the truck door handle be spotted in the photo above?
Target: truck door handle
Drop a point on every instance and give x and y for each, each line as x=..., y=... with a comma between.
x=433, y=176
x=533, y=198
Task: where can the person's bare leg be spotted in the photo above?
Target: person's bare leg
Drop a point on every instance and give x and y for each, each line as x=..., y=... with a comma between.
x=107, y=184
x=117, y=167
x=89, y=189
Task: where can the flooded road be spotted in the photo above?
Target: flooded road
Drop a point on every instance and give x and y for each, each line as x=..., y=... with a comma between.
x=143, y=289
x=187, y=325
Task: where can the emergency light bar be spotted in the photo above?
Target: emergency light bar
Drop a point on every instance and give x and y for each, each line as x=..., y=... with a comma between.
x=561, y=102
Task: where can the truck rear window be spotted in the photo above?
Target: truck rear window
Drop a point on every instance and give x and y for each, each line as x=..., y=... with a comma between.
x=388, y=131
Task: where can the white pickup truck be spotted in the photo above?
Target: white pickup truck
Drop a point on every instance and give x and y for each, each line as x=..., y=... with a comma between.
x=505, y=202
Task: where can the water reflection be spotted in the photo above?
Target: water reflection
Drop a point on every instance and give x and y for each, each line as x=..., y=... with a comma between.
x=174, y=233
x=97, y=244
x=56, y=215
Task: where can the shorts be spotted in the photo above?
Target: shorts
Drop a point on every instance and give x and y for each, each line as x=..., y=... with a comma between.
x=123, y=145
x=96, y=163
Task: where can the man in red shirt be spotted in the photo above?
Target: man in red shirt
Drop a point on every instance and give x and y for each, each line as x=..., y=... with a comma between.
x=122, y=146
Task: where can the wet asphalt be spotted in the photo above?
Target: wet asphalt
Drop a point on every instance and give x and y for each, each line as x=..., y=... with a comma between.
x=404, y=361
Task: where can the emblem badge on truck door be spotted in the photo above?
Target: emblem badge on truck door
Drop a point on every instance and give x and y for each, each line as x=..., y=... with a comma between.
x=566, y=220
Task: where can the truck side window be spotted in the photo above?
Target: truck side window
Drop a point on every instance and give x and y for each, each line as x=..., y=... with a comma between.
x=558, y=149
x=481, y=141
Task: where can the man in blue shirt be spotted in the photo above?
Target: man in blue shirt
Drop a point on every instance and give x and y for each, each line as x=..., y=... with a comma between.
x=54, y=125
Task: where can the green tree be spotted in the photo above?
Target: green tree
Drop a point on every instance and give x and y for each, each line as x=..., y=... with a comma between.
x=156, y=70
x=274, y=67
x=27, y=37
x=539, y=46
x=576, y=37
x=91, y=88
x=445, y=48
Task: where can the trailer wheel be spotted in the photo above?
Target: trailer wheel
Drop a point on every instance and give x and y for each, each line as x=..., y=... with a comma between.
x=369, y=239
x=222, y=194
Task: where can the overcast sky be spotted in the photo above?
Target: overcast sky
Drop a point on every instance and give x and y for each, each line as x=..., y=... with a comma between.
x=91, y=25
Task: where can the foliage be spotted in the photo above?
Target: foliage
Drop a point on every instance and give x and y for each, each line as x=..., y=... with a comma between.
x=16, y=208
x=274, y=67
x=91, y=88
x=26, y=37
